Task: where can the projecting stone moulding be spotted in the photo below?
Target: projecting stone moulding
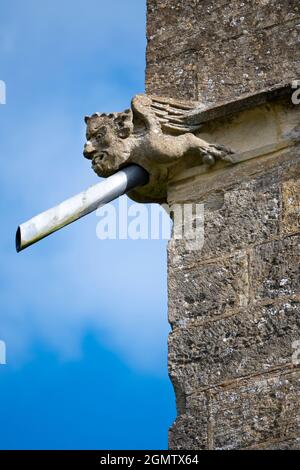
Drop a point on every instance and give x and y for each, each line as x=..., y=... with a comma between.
x=174, y=140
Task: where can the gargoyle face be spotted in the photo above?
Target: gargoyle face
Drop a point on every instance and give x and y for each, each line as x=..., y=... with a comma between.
x=108, y=141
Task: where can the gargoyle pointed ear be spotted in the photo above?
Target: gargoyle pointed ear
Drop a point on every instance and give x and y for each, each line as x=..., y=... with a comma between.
x=86, y=119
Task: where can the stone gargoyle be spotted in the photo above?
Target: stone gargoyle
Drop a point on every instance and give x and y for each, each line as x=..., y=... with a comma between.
x=155, y=134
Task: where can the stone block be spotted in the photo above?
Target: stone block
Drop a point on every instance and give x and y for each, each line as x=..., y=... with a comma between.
x=252, y=342
x=208, y=290
x=257, y=411
x=275, y=269
x=182, y=435
x=260, y=413
x=216, y=51
x=248, y=215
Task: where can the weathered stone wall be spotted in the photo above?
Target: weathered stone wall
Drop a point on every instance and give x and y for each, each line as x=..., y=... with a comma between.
x=234, y=305
x=212, y=50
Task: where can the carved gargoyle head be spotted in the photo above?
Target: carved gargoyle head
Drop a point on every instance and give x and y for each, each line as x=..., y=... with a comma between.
x=108, y=141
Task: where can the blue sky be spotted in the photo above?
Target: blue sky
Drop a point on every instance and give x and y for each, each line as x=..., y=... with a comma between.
x=84, y=321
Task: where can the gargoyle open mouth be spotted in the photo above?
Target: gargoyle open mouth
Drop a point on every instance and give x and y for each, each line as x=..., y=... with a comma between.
x=103, y=164
x=98, y=158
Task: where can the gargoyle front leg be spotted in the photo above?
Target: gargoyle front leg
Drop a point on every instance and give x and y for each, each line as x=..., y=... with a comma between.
x=217, y=152
x=211, y=153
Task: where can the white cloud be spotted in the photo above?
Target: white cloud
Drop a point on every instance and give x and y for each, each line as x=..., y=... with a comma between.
x=62, y=60
x=72, y=282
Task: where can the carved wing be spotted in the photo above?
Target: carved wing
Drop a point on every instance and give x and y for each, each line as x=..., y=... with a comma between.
x=165, y=114
x=173, y=115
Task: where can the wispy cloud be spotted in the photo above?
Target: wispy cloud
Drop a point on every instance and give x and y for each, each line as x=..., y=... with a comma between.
x=62, y=60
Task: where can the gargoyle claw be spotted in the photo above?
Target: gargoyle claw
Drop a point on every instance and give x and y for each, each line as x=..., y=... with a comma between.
x=220, y=152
